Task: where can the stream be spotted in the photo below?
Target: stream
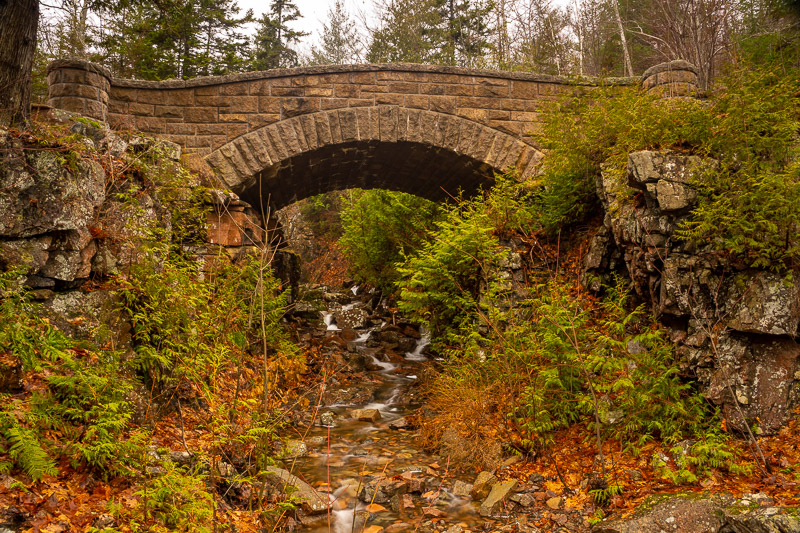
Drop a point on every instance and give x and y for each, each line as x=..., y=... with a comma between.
x=365, y=456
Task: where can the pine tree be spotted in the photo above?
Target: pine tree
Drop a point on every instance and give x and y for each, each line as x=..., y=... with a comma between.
x=180, y=39
x=274, y=37
x=407, y=32
x=340, y=40
x=464, y=32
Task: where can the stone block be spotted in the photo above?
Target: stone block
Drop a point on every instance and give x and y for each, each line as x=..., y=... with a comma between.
x=150, y=96
x=431, y=88
x=177, y=128
x=388, y=124
x=417, y=101
x=492, y=91
x=168, y=111
x=291, y=107
x=402, y=87
x=323, y=128
x=443, y=104
x=123, y=94
x=479, y=102
x=208, y=100
x=119, y=108
x=259, y=88
x=151, y=124
x=233, y=117
x=180, y=97
x=360, y=102
x=269, y=104
x=256, y=146
x=326, y=92
x=287, y=91
x=259, y=120
x=389, y=99
x=370, y=89
x=237, y=89
x=200, y=114
x=348, y=125
x=346, y=91
x=333, y=103
x=459, y=90
x=309, y=131
x=244, y=104
x=211, y=129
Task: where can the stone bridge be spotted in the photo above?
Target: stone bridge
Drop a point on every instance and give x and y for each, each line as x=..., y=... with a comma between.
x=287, y=134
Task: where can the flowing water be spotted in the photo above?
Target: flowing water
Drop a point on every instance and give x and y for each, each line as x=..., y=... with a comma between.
x=372, y=469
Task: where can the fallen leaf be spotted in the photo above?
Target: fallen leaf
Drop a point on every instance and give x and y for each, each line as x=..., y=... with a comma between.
x=375, y=508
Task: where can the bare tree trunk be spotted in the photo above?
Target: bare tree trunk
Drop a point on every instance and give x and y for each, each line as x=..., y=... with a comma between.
x=628, y=64
x=579, y=25
x=19, y=20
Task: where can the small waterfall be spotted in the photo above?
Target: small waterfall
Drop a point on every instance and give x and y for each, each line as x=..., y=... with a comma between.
x=422, y=343
x=327, y=317
x=385, y=365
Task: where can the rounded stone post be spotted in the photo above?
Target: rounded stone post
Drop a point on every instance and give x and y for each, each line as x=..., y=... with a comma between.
x=671, y=79
x=79, y=87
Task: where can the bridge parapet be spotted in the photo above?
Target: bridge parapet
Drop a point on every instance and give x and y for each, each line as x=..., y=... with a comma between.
x=203, y=114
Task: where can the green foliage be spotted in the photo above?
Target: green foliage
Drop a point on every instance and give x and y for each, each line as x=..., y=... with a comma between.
x=584, y=137
x=185, y=325
x=440, y=285
x=445, y=32
x=615, y=363
x=748, y=203
x=21, y=333
x=381, y=227
x=339, y=40
x=25, y=448
x=177, y=500
x=274, y=38
x=323, y=214
x=175, y=39
x=84, y=403
x=92, y=400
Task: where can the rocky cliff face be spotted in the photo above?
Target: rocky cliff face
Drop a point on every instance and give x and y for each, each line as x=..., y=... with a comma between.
x=734, y=327
x=77, y=211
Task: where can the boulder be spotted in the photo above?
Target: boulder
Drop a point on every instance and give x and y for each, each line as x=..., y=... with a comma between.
x=298, y=490
x=494, y=501
x=43, y=192
x=754, y=313
x=382, y=490
x=354, y=318
x=482, y=485
x=366, y=415
x=123, y=225
x=700, y=513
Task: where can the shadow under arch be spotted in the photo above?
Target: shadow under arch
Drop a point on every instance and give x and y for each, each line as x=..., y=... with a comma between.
x=421, y=152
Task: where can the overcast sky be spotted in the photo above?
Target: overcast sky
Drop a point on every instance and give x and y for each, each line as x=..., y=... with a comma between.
x=314, y=14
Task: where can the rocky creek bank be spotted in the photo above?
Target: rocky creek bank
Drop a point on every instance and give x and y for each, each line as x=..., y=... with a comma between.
x=357, y=464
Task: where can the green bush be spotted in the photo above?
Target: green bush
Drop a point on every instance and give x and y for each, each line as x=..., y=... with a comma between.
x=748, y=204
x=381, y=227
x=561, y=360
x=442, y=284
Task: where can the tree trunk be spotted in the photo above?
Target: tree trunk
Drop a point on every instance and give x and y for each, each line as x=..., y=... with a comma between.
x=19, y=20
x=628, y=65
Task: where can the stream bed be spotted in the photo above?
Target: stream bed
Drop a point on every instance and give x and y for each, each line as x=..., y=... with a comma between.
x=364, y=456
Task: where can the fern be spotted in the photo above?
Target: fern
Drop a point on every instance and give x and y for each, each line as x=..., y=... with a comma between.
x=26, y=450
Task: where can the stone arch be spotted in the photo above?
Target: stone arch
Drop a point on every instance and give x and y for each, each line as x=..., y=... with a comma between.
x=422, y=152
